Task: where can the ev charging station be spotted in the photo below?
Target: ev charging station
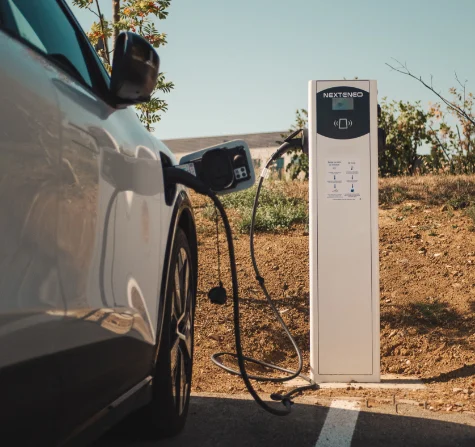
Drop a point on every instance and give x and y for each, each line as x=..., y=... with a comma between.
x=342, y=142
x=344, y=258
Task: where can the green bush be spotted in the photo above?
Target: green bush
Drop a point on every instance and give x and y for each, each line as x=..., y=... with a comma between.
x=277, y=210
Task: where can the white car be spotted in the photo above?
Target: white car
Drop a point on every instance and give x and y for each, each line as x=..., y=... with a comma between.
x=98, y=259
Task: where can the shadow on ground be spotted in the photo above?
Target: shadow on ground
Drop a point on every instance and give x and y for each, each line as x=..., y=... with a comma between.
x=424, y=317
x=464, y=371
x=237, y=422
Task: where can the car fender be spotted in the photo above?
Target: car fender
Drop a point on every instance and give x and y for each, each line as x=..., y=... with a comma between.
x=182, y=216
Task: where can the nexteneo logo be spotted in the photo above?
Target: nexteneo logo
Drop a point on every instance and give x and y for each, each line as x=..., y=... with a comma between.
x=343, y=95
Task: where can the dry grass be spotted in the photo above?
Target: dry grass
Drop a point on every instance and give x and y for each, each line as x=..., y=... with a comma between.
x=455, y=191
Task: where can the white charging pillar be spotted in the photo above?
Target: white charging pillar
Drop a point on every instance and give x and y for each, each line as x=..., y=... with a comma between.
x=344, y=260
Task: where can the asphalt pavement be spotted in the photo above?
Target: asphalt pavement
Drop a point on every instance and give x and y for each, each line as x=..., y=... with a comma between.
x=231, y=422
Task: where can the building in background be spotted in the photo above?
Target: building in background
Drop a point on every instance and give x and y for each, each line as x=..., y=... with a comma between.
x=261, y=145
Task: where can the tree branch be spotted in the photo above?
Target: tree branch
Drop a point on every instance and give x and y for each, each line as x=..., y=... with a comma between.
x=104, y=37
x=464, y=87
x=460, y=139
x=115, y=20
x=92, y=10
x=403, y=69
x=440, y=144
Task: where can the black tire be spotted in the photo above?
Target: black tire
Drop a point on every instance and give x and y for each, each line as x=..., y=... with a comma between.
x=172, y=378
x=166, y=415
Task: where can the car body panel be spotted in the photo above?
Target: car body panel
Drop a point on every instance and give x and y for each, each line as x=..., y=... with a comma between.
x=82, y=265
x=31, y=305
x=117, y=328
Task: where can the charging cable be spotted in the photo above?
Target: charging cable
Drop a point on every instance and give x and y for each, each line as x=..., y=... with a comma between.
x=176, y=175
x=290, y=143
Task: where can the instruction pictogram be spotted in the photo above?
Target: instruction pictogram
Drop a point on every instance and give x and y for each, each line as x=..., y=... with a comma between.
x=343, y=179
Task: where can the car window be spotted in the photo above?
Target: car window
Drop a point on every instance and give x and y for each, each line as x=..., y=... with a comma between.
x=24, y=28
x=45, y=26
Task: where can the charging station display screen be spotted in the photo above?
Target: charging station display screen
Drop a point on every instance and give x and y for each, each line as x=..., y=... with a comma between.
x=343, y=112
x=342, y=103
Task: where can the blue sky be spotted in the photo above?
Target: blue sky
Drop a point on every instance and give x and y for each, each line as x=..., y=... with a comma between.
x=243, y=66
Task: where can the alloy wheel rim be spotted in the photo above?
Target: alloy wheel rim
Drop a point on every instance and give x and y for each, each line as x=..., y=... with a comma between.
x=181, y=331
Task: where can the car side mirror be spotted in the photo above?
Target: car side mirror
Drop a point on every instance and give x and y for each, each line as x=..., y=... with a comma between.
x=135, y=69
x=224, y=168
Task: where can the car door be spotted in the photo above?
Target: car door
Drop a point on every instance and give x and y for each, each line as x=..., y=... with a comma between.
x=31, y=304
x=109, y=248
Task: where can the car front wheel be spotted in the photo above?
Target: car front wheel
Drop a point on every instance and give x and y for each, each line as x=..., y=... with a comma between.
x=165, y=415
x=172, y=380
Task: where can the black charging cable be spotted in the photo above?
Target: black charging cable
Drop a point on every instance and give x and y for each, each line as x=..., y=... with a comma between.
x=289, y=144
x=176, y=175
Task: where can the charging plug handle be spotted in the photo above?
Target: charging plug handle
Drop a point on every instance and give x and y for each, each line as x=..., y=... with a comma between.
x=173, y=176
x=303, y=139
x=291, y=143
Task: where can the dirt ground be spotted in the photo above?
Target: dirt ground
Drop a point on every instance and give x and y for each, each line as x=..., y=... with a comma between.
x=427, y=291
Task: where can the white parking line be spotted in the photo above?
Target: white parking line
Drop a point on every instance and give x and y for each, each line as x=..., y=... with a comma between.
x=339, y=425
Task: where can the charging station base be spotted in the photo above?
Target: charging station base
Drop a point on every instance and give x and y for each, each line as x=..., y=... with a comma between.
x=388, y=382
